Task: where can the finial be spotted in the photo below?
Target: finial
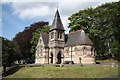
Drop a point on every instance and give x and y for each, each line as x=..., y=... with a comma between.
x=57, y=7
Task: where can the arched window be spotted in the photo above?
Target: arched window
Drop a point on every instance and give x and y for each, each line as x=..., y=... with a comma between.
x=41, y=51
x=84, y=50
x=60, y=35
x=59, y=56
x=76, y=49
x=92, y=48
x=52, y=35
x=40, y=40
x=51, y=58
x=37, y=53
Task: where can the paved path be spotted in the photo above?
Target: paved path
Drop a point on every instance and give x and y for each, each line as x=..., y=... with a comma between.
x=104, y=64
x=70, y=65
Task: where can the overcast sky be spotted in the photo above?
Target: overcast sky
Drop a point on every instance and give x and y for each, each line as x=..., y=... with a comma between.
x=16, y=15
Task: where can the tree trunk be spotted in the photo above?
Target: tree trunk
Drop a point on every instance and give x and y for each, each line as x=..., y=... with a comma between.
x=4, y=68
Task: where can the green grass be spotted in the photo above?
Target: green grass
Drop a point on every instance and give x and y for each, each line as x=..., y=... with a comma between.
x=62, y=72
x=1, y=68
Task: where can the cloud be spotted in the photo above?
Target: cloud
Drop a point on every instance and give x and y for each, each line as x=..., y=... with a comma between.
x=65, y=22
x=34, y=12
x=58, y=0
x=29, y=10
x=68, y=8
x=46, y=10
x=31, y=0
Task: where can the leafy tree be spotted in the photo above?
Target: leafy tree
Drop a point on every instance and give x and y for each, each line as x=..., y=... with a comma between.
x=23, y=39
x=0, y=51
x=36, y=36
x=10, y=52
x=102, y=26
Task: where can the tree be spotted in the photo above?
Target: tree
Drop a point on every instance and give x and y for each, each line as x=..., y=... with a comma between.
x=23, y=39
x=0, y=51
x=102, y=26
x=36, y=36
x=10, y=53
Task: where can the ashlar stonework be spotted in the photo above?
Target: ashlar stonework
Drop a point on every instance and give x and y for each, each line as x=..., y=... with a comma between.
x=58, y=48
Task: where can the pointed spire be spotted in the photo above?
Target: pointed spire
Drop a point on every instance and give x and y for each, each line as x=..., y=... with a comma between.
x=57, y=23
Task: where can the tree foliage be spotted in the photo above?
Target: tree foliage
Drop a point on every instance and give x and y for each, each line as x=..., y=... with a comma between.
x=102, y=25
x=23, y=38
x=36, y=36
x=10, y=52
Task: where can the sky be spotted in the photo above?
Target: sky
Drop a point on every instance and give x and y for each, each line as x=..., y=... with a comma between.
x=15, y=15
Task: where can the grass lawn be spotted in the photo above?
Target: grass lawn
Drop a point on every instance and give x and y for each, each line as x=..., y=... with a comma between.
x=1, y=68
x=65, y=72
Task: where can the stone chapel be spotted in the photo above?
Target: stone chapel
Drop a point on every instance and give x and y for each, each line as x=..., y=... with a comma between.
x=54, y=48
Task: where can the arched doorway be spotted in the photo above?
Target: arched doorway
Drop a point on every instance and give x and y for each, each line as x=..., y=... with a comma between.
x=51, y=58
x=59, y=58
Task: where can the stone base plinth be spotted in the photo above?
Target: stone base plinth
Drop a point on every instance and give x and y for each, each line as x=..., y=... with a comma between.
x=88, y=60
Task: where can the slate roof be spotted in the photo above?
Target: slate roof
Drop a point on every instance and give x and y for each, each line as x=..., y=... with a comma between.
x=78, y=38
x=74, y=38
x=45, y=38
x=57, y=23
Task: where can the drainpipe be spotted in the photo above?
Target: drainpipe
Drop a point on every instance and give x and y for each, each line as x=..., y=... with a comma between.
x=71, y=54
x=48, y=55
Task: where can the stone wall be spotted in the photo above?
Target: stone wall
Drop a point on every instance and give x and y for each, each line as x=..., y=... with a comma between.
x=41, y=55
x=79, y=53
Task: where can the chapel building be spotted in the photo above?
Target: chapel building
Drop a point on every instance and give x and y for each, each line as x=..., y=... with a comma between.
x=58, y=48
